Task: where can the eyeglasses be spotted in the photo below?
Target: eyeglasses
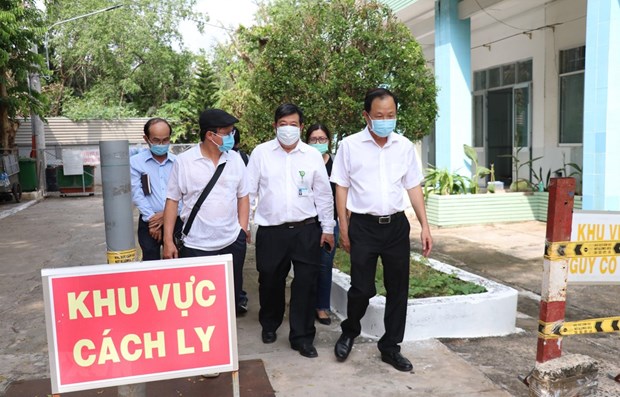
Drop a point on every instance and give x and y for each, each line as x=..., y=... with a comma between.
x=321, y=139
x=156, y=141
x=231, y=133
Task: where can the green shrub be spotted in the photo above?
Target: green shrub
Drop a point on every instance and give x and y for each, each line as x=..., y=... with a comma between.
x=424, y=281
x=442, y=181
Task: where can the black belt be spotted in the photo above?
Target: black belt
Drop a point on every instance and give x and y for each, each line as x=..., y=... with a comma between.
x=383, y=220
x=293, y=225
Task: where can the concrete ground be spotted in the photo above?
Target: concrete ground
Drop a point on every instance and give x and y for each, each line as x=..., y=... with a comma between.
x=512, y=254
x=61, y=232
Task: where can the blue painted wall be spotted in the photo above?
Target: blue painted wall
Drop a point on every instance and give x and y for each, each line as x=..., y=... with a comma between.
x=453, y=73
x=601, y=124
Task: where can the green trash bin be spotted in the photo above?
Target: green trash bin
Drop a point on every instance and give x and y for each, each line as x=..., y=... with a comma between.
x=28, y=174
x=84, y=183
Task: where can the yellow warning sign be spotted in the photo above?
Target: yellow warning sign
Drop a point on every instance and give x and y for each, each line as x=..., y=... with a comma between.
x=577, y=249
x=122, y=256
x=592, y=326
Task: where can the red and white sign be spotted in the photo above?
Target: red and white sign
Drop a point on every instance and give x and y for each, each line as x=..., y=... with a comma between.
x=110, y=325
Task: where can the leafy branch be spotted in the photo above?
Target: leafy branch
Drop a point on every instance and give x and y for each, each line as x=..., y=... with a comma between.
x=477, y=171
x=444, y=182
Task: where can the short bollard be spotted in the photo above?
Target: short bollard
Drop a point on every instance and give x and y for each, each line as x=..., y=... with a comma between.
x=572, y=375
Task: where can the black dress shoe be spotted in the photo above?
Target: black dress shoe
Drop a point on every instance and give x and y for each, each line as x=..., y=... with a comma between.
x=323, y=320
x=269, y=336
x=306, y=350
x=343, y=347
x=397, y=360
x=242, y=307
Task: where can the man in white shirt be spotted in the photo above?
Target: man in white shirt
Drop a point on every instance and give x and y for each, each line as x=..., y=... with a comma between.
x=371, y=170
x=150, y=170
x=221, y=224
x=293, y=190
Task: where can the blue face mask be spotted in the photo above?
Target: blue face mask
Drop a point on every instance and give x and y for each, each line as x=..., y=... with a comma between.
x=321, y=147
x=383, y=128
x=228, y=141
x=159, y=150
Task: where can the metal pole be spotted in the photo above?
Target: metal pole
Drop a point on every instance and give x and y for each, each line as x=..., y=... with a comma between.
x=137, y=390
x=38, y=130
x=555, y=270
x=235, y=384
x=45, y=41
x=118, y=214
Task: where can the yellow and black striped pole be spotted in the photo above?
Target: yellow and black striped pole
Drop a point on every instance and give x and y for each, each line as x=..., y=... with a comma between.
x=590, y=326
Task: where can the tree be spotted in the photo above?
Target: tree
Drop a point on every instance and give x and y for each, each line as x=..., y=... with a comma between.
x=125, y=62
x=324, y=55
x=183, y=114
x=21, y=28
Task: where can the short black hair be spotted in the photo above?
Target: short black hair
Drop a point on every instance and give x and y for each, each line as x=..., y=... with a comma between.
x=375, y=93
x=155, y=120
x=287, y=109
x=322, y=127
x=202, y=135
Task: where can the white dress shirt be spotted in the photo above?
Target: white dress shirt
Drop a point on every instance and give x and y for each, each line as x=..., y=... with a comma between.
x=375, y=175
x=290, y=187
x=216, y=225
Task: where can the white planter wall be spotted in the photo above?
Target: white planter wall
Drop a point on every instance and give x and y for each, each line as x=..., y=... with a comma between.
x=492, y=313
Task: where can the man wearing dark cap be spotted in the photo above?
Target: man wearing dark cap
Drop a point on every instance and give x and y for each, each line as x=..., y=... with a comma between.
x=221, y=224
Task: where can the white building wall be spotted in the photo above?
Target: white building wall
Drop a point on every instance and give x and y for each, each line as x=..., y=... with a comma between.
x=497, y=44
x=555, y=26
x=511, y=31
x=569, y=33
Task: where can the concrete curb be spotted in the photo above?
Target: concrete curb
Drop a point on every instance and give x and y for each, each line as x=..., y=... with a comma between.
x=492, y=313
x=20, y=207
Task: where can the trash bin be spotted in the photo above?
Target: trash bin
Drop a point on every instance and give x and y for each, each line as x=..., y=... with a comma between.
x=51, y=178
x=84, y=183
x=28, y=174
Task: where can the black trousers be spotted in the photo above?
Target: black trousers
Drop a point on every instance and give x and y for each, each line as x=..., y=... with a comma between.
x=369, y=241
x=276, y=248
x=151, y=248
x=237, y=249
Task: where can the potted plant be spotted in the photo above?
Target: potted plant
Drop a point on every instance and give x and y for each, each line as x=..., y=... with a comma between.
x=493, y=185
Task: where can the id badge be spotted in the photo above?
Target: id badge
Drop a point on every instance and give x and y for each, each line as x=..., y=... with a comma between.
x=302, y=189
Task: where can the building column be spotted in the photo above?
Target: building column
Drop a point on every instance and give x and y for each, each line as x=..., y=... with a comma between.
x=601, y=115
x=453, y=127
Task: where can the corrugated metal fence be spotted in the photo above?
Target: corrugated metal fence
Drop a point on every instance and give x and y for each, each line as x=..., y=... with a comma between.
x=61, y=131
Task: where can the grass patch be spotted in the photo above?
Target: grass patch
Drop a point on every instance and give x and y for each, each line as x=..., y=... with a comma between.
x=424, y=281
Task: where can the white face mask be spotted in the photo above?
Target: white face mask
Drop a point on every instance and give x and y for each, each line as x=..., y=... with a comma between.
x=288, y=134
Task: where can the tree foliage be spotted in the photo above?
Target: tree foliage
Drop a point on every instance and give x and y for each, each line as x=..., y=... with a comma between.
x=21, y=29
x=121, y=63
x=183, y=113
x=324, y=55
